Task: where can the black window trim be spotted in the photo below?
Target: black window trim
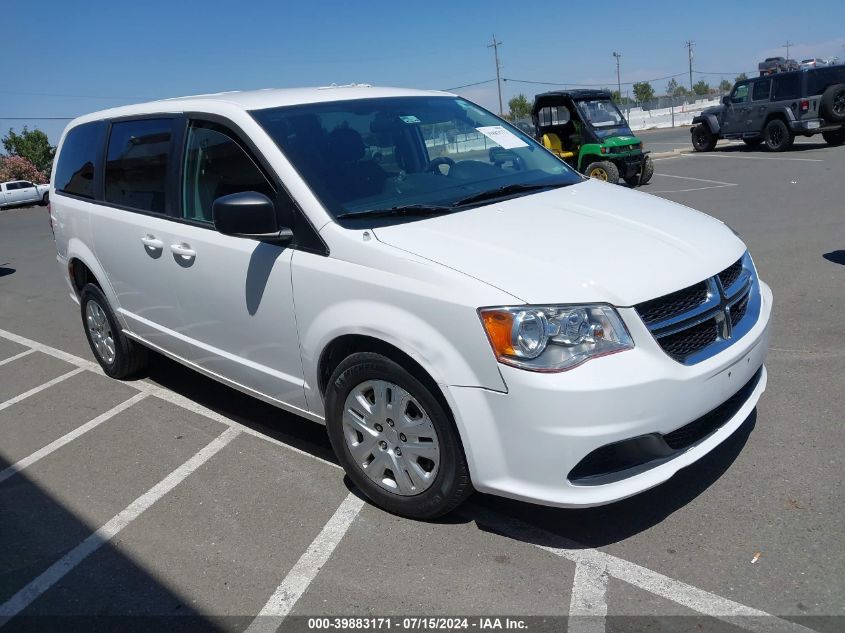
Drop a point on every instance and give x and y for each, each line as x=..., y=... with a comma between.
x=305, y=236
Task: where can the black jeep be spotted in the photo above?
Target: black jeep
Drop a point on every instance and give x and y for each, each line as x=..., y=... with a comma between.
x=775, y=108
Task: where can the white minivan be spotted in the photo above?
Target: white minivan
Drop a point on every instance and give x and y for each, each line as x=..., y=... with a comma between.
x=459, y=307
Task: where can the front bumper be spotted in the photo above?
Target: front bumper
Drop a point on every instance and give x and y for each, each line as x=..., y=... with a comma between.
x=524, y=443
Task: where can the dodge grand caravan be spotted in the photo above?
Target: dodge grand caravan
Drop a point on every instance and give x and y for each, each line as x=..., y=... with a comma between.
x=460, y=308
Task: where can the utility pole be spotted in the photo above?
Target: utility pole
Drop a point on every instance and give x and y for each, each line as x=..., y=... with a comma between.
x=788, y=44
x=689, y=46
x=495, y=46
x=618, y=56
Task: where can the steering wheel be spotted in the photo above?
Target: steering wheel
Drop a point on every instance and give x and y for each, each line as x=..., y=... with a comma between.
x=434, y=165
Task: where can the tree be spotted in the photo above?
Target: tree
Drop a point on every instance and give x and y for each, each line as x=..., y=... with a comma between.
x=520, y=107
x=32, y=145
x=643, y=91
x=19, y=168
x=741, y=77
x=680, y=91
x=671, y=87
x=725, y=86
x=701, y=87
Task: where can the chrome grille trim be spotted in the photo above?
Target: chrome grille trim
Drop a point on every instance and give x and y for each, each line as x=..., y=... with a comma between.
x=733, y=310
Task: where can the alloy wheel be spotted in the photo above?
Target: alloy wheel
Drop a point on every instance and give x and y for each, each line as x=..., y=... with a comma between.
x=100, y=331
x=390, y=437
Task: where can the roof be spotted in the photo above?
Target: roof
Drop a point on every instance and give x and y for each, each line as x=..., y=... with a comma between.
x=575, y=94
x=259, y=99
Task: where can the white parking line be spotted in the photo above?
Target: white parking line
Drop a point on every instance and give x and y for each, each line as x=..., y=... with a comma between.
x=39, y=388
x=68, y=437
x=103, y=535
x=714, y=184
x=708, y=155
x=301, y=575
x=160, y=392
x=16, y=356
x=588, y=604
x=693, y=598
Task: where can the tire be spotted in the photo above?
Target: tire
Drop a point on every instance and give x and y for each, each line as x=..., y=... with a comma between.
x=777, y=135
x=703, y=140
x=441, y=480
x=647, y=173
x=836, y=137
x=122, y=357
x=603, y=170
x=752, y=142
x=832, y=103
x=45, y=199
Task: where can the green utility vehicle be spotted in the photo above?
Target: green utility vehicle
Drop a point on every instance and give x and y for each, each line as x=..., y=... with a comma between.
x=585, y=129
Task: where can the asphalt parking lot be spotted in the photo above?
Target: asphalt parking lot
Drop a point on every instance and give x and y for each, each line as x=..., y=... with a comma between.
x=188, y=506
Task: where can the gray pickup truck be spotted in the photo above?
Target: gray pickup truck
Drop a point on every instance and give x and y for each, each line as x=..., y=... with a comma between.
x=775, y=109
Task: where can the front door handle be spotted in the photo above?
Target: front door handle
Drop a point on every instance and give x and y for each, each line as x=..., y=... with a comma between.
x=151, y=241
x=183, y=250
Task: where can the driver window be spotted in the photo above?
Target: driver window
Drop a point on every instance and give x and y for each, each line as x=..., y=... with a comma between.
x=740, y=94
x=215, y=166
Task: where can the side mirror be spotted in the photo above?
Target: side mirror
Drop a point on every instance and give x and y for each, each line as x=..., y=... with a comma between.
x=726, y=100
x=248, y=214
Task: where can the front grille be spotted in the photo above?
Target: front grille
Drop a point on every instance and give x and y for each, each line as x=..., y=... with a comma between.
x=687, y=342
x=730, y=274
x=702, y=316
x=673, y=304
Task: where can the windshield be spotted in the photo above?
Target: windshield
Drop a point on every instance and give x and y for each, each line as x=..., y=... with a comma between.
x=376, y=154
x=604, y=117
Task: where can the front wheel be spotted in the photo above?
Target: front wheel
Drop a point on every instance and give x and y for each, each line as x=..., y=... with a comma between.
x=647, y=170
x=777, y=135
x=45, y=199
x=394, y=438
x=703, y=140
x=836, y=137
x=603, y=170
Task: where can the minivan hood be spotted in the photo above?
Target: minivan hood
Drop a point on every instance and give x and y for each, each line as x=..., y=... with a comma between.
x=589, y=242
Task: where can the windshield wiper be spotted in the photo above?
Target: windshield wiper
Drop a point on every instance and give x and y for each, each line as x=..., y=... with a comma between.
x=506, y=191
x=400, y=211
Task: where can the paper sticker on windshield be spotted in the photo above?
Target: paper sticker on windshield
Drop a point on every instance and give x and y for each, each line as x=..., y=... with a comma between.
x=410, y=118
x=504, y=138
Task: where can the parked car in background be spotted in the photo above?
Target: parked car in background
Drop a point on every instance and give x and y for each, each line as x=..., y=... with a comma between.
x=461, y=308
x=811, y=63
x=774, y=109
x=18, y=192
x=772, y=65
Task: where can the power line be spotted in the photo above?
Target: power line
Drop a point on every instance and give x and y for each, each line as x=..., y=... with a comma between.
x=495, y=46
x=477, y=83
x=579, y=85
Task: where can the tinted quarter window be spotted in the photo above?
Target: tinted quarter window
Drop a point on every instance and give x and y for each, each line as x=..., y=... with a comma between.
x=819, y=79
x=215, y=166
x=137, y=163
x=761, y=89
x=786, y=87
x=76, y=167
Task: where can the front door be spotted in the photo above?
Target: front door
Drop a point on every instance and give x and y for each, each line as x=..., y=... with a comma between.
x=235, y=294
x=736, y=112
x=759, y=107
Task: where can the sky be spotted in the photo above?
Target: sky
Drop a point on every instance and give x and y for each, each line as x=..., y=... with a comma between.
x=62, y=59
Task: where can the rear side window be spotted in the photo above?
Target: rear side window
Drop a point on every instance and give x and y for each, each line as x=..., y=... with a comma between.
x=75, y=168
x=215, y=165
x=137, y=164
x=761, y=90
x=786, y=87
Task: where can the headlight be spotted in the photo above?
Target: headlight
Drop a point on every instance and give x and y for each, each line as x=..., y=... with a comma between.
x=553, y=338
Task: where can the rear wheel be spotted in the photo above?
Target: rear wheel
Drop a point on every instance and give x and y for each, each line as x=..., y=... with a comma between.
x=394, y=438
x=836, y=137
x=118, y=356
x=603, y=170
x=703, y=140
x=777, y=135
x=752, y=142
